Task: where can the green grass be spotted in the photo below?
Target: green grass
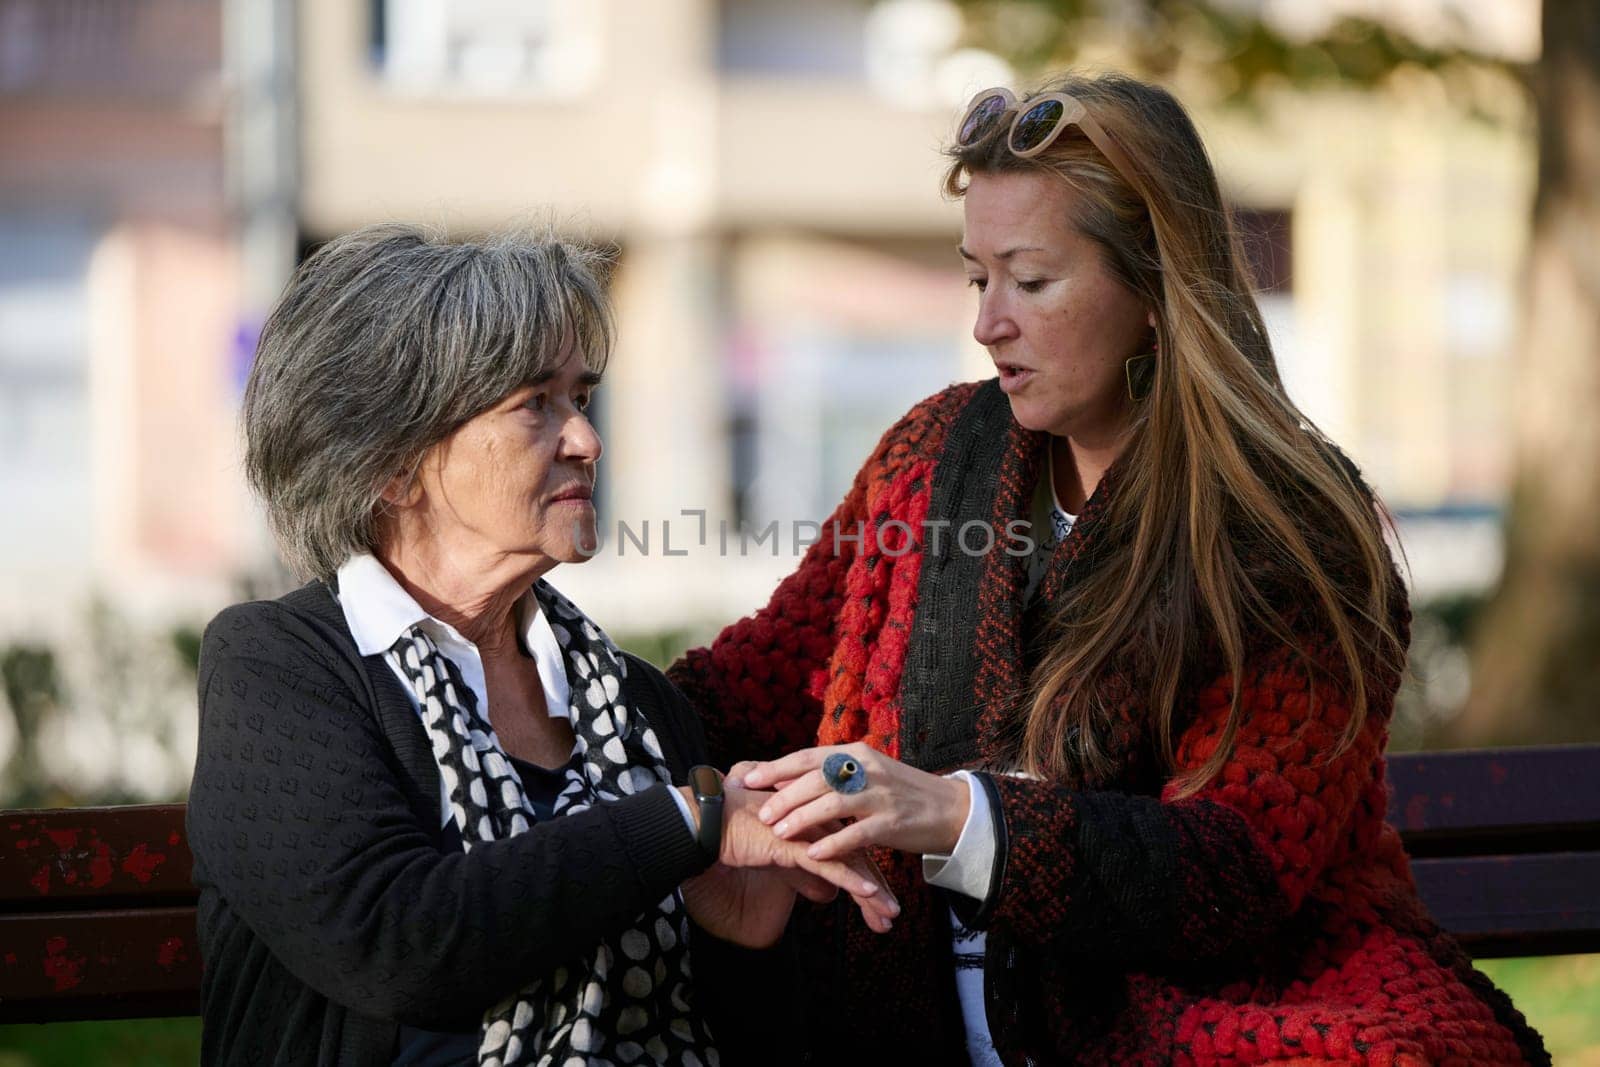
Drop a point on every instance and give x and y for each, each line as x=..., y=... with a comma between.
x=120, y=1043
x=1560, y=995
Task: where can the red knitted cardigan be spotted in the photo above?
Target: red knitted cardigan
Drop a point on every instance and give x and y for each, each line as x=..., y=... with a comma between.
x=1271, y=918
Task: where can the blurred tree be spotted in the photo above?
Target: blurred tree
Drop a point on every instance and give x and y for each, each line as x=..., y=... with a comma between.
x=1536, y=646
x=1536, y=662
x=32, y=690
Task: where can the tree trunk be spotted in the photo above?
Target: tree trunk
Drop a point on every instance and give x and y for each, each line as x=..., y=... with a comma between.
x=1536, y=650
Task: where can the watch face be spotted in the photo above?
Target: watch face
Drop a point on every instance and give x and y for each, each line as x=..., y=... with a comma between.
x=705, y=781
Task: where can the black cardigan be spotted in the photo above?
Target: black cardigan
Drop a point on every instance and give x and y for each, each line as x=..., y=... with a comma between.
x=330, y=912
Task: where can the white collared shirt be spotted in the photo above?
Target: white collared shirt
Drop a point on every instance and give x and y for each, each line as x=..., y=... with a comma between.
x=378, y=611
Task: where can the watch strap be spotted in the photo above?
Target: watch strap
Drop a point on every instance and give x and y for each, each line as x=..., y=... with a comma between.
x=706, y=784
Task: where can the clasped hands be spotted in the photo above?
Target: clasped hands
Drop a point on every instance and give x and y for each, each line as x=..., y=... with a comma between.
x=788, y=832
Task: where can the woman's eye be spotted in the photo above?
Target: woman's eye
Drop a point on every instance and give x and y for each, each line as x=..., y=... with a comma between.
x=1031, y=286
x=979, y=284
x=583, y=401
x=537, y=402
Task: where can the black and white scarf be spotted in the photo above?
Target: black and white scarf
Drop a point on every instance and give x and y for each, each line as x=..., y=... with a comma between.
x=629, y=1002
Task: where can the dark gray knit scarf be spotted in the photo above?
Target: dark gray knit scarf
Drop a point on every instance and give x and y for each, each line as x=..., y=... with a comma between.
x=628, y=1002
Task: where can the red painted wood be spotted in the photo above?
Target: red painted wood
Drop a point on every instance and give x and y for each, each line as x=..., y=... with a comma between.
x=99, y=964
x=66, y=857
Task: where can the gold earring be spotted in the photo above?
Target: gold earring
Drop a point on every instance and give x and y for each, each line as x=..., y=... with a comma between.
x=1140, y=374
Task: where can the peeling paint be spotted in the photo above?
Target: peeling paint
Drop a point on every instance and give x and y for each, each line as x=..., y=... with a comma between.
x=142, y=863
x=100, y=869
x=171, y=953
x=61, y=967
x=1417, y=812
x=64, y=839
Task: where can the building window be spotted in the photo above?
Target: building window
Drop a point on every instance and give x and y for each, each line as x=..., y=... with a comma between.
x=822, y=38
x=488, y=47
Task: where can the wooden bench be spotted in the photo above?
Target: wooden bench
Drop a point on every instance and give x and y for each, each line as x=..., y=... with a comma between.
x=1505, y=845
x=97, y=915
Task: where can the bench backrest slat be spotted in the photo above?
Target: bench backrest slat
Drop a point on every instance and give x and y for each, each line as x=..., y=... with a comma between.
x=65, y=857
x=1544, y=799
x=99, y=965
x=1537, y=904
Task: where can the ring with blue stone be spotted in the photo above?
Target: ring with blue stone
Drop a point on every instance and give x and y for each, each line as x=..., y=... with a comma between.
x=844, y=774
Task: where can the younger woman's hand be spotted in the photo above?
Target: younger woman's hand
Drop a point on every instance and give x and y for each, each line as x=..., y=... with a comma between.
x=900, y=807
x=748, y=843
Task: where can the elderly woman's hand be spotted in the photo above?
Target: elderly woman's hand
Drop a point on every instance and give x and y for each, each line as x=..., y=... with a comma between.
x=750, y=906
x=898, y=807
x=748, y=895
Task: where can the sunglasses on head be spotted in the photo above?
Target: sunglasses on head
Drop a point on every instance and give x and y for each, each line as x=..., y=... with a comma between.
x=1036, y=125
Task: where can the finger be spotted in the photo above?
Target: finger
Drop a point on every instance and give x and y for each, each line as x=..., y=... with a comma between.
x=879, y=910
x=791, y=766
x=859, y=881
x=826, y=807
x=736, y=773
x=802, y=790
x=874, y=893
x=852, y=838
x=815, y=889
x=876, y=921
x=819, y=831
x=864, y=866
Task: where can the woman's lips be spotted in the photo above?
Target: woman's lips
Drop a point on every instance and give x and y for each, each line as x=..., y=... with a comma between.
x=574, y=496
x=1013, y=377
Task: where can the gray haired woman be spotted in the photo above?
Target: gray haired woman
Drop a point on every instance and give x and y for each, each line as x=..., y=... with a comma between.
x=437, y=816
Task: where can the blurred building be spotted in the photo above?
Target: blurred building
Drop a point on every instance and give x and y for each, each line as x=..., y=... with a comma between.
x=787, y=282
x=786, y=285
x=118, y=311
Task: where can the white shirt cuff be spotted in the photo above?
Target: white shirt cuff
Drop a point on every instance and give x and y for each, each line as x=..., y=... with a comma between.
x=683, y=806
x=969, y=869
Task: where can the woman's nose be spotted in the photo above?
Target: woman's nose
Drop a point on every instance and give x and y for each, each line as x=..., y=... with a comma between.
x=580, y=440
x=994, y=324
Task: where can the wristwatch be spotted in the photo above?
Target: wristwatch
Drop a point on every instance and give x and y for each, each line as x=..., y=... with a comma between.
x=707, y=785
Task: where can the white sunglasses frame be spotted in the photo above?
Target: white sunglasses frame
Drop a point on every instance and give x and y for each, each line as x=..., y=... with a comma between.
x=1073, y=113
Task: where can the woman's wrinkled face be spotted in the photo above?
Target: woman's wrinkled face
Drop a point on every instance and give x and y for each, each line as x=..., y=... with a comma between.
x=517, y=480
x=1058, y=325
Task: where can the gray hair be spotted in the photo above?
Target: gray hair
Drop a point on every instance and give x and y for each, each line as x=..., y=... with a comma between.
x=384, y=342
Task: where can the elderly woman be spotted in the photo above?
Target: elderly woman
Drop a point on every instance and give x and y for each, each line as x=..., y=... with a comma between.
x=432, y=814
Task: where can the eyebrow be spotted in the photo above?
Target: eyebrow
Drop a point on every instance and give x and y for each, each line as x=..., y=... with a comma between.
x=590, y=378
x=1002, y=256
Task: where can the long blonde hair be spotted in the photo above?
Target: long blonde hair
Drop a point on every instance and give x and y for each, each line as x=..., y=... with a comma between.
x=1221, y=470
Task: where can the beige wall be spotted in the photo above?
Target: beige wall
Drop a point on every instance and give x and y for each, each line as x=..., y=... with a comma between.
x=659, y=139
x=371, y=149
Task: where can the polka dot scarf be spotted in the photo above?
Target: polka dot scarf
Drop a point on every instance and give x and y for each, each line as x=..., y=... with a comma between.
x=628, y=1002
